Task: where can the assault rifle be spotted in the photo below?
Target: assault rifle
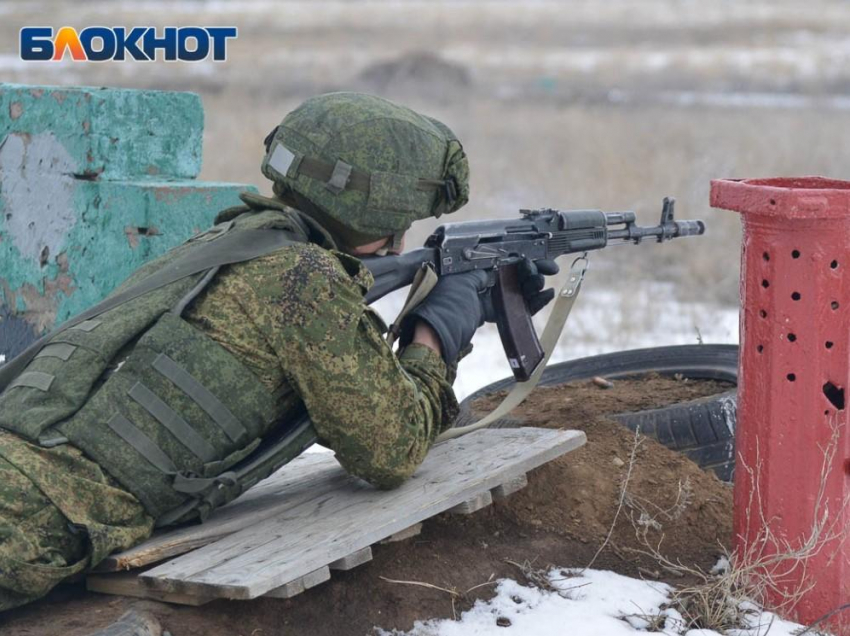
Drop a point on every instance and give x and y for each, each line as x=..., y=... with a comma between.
x=499, y=245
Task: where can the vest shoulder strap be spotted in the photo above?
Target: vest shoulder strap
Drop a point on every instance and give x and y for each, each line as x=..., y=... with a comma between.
x=276, y=451
x=226, y=249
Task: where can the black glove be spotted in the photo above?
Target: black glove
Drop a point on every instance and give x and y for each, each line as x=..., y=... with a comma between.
x=532, y=279
x=454, y=309
x=531, y=282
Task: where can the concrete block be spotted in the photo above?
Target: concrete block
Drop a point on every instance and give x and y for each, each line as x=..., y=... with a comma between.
x=77, y=240
x=108, y=132
x=69, y=235
x=73, y=244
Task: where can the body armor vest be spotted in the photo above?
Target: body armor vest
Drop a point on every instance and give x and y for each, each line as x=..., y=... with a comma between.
x=169, y=413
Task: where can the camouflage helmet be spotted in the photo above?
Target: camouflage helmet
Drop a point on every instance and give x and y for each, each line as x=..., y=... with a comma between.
x=364, y=167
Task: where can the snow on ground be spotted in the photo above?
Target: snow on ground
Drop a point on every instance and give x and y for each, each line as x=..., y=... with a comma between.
x=592, y=603
x=602, y=321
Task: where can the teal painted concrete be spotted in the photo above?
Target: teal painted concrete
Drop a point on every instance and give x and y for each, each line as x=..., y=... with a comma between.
x=66, y=239
x=111, y=132
x=129, y=223
x=120, y=225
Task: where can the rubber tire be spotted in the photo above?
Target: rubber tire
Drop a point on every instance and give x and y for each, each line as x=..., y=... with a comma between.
x=702, y=429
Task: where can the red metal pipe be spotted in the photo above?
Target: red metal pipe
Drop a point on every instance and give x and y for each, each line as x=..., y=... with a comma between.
x=792, y=474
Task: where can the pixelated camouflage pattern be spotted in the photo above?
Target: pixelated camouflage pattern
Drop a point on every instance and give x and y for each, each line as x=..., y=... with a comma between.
x=394, y=144
x=42, y=493
x=71, y=408
x=296, y=324
x=212, y=366
x=30, y=412
x=297, y=319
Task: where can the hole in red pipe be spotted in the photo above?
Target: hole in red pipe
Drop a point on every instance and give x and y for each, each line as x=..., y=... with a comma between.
x=832, y=265
x=773, y=202
x=762, y=313
x=847, y=466
x=795, y=296
x=792, y=337
x=795, y=254
x=834, y=305
x=766, y=256
x=760, y=348
x=835, y=395
x=791, y=377
x=829, y=344
x=765, y=283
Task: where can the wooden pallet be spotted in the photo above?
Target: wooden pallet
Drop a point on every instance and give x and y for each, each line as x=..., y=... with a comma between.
x=288, y=533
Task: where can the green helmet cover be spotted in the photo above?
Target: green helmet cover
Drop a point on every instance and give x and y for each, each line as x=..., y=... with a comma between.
x=364, y=166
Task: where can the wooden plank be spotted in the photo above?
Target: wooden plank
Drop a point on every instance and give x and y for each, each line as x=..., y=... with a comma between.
x=479, y=501
x=352, y=515
x=407, y=533
x=287, y=487
x=509, y=487
x=296, y=587
x=352, y=560
x=128, y=584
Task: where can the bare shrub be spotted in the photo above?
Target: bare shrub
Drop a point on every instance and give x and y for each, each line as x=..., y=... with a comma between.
x=756, y=577
x=624, y=489
x=454, y=593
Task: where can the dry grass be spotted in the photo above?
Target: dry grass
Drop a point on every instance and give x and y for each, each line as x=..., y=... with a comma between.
x=453, y=592
x=756, y=577
x=543, y=579
x=624, y=489
x=543, y=115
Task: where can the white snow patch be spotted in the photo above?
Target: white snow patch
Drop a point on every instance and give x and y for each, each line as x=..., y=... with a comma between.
x=590, y=604
x=593, y=603
x=722, y=566
x=602, y=321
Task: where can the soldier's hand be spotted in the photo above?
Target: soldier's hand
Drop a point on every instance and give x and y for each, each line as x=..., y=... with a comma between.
x=532, y=280
x=454, y=310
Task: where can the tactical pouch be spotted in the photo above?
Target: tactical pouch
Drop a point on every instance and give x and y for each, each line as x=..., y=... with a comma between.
x=165, y=410
x=57, y=382
x=174, y=417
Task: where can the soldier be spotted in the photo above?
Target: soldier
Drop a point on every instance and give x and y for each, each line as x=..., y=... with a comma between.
x=145, y=410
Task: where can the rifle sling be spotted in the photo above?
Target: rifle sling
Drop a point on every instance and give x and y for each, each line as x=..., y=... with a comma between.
x=551, y=333
x=228, y=248
x=423, y=282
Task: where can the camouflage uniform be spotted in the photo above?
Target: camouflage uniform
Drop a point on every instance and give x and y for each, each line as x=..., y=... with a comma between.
x=59, y=515
x=296, y=318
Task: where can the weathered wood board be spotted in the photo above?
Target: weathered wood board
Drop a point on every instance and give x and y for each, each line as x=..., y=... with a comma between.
x=128, y=584
x=327, y=515
x=404, y=535
x=303, y=478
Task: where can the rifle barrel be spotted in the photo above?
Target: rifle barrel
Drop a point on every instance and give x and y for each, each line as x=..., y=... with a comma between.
x=662, y=232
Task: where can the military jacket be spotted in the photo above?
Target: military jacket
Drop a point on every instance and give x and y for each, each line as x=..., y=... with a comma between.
x=170, y=391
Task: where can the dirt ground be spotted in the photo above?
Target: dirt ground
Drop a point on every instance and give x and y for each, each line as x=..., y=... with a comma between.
x=562, y=518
